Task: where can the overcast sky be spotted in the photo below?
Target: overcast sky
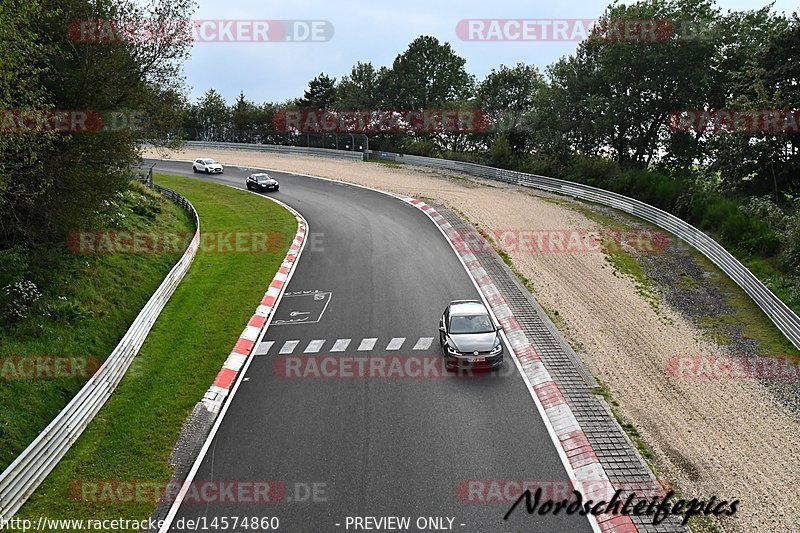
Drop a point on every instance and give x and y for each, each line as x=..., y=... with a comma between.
x=373, y=31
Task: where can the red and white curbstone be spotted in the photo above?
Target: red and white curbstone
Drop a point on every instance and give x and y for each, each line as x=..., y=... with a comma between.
x=217, y=393
x=577, y=449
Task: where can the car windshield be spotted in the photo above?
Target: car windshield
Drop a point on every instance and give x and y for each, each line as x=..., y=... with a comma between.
x=209, y=162
x=470, y=324
x=262, y=178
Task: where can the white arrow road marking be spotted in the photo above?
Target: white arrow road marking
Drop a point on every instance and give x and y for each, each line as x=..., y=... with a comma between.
x=340, y=345
x=395, y=343
x=263, y=348
x=289, y=346
x=367, y=344
x=314, y=346
x=423, y=343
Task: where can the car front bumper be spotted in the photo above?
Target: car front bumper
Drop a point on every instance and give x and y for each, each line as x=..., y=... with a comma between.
x=268, y=187
x=214, y=170
x=473, y=361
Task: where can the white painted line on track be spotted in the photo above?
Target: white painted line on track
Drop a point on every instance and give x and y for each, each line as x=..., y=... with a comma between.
x=314, y=346
x=289, y=346
x=423, y=343
x=340, y=345
x=366, y=345
x=395, y=343
x=263, y=348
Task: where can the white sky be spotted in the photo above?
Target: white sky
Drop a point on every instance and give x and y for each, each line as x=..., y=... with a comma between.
x=374, y=31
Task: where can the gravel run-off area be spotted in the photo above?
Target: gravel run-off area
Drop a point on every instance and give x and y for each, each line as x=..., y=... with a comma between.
x=731, y=438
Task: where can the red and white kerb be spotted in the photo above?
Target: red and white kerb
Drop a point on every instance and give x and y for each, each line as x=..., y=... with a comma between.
x=217, y=393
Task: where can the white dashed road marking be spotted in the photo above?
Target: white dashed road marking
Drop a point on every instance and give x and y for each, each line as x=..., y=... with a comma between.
x=367, y=344
x=340, y=345
x=395, y=343
x=314, y=346
x=289, y=347
x=423, y=343
x=263, y=348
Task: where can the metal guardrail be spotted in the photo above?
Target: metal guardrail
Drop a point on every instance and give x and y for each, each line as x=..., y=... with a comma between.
x=784, y=318
x=32, y=466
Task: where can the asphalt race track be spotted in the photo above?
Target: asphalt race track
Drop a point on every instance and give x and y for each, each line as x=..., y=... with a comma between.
x=373, y=268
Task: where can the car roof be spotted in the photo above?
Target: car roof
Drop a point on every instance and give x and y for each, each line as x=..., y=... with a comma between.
x=467, y=308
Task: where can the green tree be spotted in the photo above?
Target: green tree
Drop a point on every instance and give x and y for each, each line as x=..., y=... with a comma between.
x=212, y=116
x=361, y=88
x=508, y=95
x=764, y=162
x=617, y=94
x=52, y=183
x=321, y=93
x=428, y=74
x=243, y=119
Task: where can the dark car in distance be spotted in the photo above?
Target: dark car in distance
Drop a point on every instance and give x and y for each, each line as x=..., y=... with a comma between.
x=262, y=182
x=468, y=336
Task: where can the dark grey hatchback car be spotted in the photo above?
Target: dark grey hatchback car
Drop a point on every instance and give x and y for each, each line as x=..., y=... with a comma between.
x=469, y=337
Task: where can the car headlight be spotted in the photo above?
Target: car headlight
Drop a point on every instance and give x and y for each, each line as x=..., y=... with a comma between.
x=497, y=349
x=451, y=350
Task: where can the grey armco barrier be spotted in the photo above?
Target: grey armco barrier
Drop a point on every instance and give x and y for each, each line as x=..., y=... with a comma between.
x=33, y=465
x=784, y=318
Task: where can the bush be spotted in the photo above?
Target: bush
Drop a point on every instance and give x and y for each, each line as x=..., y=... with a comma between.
x=17, y=299
x=422, y=147
x=598, y=171
x=65, y=310
x=13, y=265
x=500, y=154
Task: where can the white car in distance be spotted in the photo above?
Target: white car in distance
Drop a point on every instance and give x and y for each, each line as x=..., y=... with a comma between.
x=209, y=166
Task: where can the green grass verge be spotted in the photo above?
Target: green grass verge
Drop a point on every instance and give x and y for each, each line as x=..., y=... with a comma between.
x=746, y=314
x=133, y=435
x=88, y=302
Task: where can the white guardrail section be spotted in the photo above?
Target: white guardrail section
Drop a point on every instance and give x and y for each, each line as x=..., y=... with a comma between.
x=33, y=465
x=784, y=318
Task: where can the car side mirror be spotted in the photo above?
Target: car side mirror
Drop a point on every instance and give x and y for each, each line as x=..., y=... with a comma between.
x=500, y=328
x=441, y=329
